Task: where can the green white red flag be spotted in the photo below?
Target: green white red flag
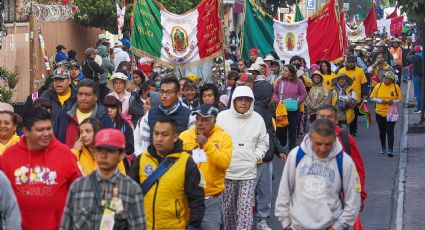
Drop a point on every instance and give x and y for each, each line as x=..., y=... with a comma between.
x=177, y=40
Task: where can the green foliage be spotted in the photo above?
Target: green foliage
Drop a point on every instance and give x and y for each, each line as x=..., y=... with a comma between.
x=271, y=6
x=179, y=6
x=414, y=9
x=9, y=80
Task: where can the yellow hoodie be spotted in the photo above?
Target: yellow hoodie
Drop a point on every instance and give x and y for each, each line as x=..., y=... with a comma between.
x=219, y=153
x=15, y=138
x=87, y=162
x=385, y=92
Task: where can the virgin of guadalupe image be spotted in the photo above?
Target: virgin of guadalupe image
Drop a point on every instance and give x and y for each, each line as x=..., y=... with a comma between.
x=289, y=42
x=179, y=40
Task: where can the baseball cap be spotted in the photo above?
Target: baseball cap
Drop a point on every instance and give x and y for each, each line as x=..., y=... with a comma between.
x=254, y=67
x=102, y=36
x=390, y=75
x=206, y=110
x=60, y=47
x=253, y=51
x=110, y=139
x=61, y=73
x=74, y=64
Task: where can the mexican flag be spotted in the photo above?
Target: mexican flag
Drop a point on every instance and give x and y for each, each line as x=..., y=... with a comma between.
x=314, y=38
x=391, y=26
x=366, y=28
x=177, y=40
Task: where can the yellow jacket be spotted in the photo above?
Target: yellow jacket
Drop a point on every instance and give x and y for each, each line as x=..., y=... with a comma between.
x=15, y=138
x=385, y=92
x=219, y=154
x=166, y=204
x=359, y=78
x=327, y=80
x=350, y=111
x=87, y=162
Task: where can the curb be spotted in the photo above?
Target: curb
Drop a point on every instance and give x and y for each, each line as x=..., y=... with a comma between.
x=402, y=163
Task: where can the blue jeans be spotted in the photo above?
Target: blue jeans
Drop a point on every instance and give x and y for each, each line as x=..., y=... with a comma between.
x=264, y=190
x=417, y=87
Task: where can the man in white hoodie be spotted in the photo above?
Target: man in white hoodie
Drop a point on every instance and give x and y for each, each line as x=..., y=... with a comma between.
x=315, y=175
x=119, y=54
x=250, y=144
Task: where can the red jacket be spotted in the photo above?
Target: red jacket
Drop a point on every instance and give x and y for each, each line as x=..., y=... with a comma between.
x=40, y=180
x=357, y=158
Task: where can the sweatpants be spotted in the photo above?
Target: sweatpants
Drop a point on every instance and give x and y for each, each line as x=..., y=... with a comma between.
x=386, y=131
x=238, y=203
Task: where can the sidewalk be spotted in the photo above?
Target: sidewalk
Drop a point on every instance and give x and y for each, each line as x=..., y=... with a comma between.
x=414, y=202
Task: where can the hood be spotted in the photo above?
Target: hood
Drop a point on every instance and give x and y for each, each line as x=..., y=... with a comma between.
x=263, y=92
x=117, y=50
x=242, y=91
x=103, y=52
x=23, y=145
x=306, y=146
x=155, y=100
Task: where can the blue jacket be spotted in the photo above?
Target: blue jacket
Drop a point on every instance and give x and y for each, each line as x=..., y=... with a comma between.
x=51, y=95
x=60, y=56
x=67, y=116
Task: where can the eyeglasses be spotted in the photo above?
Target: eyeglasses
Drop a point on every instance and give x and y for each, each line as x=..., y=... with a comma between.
x=167, y=92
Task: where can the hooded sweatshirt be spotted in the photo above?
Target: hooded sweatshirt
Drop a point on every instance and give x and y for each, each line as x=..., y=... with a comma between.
x=249, y=137
x=309, y=194
x=40, y=180
x=107, y=65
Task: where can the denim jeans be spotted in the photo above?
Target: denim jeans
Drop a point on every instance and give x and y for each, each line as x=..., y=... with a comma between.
x=213, y=213
x=417, y=86
x=263, y=184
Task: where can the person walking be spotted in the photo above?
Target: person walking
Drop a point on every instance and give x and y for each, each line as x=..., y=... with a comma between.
x=9, y=120
x=314, y=175
x=415, y=57
x=119, y=85
x=91, y=70
x=251, y=142
x=292, y=92
x=41, y=170
x=105, y=197
x=211, y=149
x=327, y=74
x=9, y=209
x=108, y=68
x=386, y=95
x=343, y=97
x=317, y=96
x=170, y=181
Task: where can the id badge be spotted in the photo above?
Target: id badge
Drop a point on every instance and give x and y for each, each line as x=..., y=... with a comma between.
x=199, y=156
x=108, y=220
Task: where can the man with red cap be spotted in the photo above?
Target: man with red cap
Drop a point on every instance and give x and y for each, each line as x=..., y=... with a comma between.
x=106, y=196
x=254, y=58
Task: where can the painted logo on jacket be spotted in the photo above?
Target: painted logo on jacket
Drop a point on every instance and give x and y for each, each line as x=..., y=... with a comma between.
x=35, y=175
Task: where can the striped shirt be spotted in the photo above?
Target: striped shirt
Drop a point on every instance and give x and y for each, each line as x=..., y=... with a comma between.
x=83, y=208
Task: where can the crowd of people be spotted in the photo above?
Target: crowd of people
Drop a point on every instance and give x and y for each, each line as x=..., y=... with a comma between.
x=111, y=144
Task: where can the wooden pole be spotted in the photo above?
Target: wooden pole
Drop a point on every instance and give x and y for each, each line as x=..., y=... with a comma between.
x=32, y=51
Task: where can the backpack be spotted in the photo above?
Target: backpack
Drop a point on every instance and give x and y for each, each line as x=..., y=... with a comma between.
x=339, y=161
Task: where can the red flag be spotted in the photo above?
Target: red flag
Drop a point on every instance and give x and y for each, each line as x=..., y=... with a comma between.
x=365, y=111
x=370, y=22
x=324, y=25
x=396, y=25
x=343, y=31
x=393, y=14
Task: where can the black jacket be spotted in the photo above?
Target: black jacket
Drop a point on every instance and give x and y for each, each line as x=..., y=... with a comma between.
x=92, y=70
x=416, y=61
x=56, y=105
x=194, y=193
x=263, y=92
x=136, y=108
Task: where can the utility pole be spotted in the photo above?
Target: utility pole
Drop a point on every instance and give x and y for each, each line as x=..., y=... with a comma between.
x=32, y=50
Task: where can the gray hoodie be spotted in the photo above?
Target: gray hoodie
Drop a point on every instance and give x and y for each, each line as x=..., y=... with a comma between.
x=9, y=209
x=308, y=196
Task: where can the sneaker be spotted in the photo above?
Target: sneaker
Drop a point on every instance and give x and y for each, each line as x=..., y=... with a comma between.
x=262, y=225
x=390, y=153
x=417, y=111
x=383, y=150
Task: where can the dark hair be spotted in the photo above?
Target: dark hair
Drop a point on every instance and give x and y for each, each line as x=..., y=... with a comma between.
x=153, y=76
x=209, y=86
x=36, y=114
x=126, y=64
x=328, y=107
x=140, y=73
x=89, y=83
x=150, y=83
x=172, y=80
x=328, y=64
x=95, y=124
x=242, y=60
x=113, y=102
x=123, y=71
x=145, y=86
x=12, y=114
x=42, y=103
x=292, y=70
x=190, y=84
x=168, y=120
x=233, y=74
x=323, y=127
x=295, y=58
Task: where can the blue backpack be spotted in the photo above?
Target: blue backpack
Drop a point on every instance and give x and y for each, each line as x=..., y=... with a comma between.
x=301, y=153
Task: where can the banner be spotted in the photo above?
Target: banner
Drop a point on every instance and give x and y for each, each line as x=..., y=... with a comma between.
x=177, y=40
x=391, y=26
x=313, y=39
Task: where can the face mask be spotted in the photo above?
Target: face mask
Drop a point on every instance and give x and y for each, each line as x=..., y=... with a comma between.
x=157, y=84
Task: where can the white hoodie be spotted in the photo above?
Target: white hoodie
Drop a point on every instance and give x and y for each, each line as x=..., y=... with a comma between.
x=249, y=137
x=308, y=196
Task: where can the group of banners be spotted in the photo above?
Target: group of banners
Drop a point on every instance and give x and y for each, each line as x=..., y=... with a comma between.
x=196, y=36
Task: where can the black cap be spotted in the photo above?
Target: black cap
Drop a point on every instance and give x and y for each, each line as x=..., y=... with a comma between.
x=206, y=110
x=60, y=47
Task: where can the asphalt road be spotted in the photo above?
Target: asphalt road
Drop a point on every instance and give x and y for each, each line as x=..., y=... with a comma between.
x=380, y=176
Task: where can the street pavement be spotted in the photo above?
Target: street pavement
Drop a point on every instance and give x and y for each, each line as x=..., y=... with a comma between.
x=381, y=172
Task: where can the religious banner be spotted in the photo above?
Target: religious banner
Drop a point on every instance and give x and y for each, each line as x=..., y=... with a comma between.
x=177, y=40
x=355, y=34
x=315, y=38
x=391, y=26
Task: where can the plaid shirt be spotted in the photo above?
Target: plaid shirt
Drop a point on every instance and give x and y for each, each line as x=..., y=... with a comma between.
x=83, y=208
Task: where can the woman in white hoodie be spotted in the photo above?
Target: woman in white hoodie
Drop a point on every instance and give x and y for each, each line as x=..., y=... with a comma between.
x=251, y=142
x=314, y=176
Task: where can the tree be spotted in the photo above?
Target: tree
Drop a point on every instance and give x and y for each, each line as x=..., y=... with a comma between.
x=179, y=6
x=8, y=82
x=271, y=6
x=414, y=9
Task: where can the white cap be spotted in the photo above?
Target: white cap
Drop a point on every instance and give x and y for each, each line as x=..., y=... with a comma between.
x=254, y=67
x=269, y=58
